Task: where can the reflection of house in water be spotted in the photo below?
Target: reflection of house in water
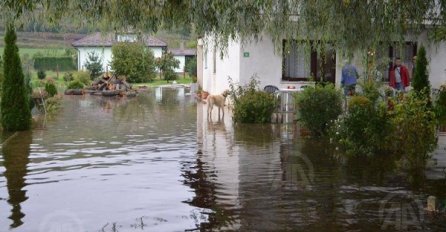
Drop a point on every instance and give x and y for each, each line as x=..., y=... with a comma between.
x=15, y=152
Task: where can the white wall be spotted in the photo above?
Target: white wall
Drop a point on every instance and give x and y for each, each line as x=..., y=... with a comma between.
x=229, y=66
x=436, y=56
x=263, y=61
x=105, y=53
x=182, y=60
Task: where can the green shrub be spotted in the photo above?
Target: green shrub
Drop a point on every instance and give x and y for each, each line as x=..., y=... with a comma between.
x=1, y=72
x=252, y=105
x=50, y=88
x=67, y=77
x=364, y=129
x=370, y=89
x=191, y=67
x=318, y=107
x=83, y=77
x=76, y=84
x=440, y=105
x=133, y=60
x=166, y=64
x=94, y=65
x=41, y=74
x=415, y=129
x=15, y=111
x=420, y=80
x=62, y=63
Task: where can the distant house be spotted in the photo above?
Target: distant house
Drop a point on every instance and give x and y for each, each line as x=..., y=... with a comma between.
x=183, y=55
x=101, y=44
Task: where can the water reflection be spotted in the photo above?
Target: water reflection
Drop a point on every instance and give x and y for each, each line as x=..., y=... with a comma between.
x=270, y=178
x=15, y=152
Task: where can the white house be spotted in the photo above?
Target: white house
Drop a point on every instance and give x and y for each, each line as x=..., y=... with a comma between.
x=182, y=55
x=294, y=66
x=102, y=46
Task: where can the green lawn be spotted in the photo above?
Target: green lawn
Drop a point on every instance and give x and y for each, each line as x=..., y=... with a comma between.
x=44, y=51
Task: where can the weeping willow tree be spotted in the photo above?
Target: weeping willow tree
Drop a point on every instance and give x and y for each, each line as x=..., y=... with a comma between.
x=346, y=24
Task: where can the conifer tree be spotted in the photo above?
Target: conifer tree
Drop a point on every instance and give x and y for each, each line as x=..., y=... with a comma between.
x=15, y=111
x=420, y=80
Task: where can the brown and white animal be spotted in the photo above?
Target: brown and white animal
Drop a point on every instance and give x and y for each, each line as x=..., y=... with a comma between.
x=219, y=101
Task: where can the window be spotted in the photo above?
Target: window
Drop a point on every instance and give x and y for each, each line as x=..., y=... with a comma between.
x=301, y=62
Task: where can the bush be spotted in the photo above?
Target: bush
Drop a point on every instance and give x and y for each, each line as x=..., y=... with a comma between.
x=364, y=129
x=15, y=111
x=415, y=129
x=76, y=84
x=167, y=63
x=420, y=80
x=319, y=106
x=83, y=77
x=1, y=72
x=133, y=60
x=67, y=77
x=252, y=105
x=440, y=105
x=62, y=63
x=50, y=88
x=191, y=67
x=41, y=74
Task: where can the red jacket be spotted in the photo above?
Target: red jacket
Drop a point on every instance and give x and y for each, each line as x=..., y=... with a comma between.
x=404, y=76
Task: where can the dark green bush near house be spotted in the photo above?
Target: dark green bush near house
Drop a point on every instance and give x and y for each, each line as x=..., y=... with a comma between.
x=252, y=105
x=76, y=84
x=420, y=82
x=50, y=88
x=191, y=67
x=60, y=63
x=319, y=106
x=365, y=128
x=1, y=72
x=133, y=60
x=166, y=64
x=15, y=111
x=41, y=74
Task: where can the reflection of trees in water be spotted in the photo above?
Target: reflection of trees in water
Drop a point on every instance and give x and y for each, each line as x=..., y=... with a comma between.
x=256, y=134
x=15, y=153
x=200, y=180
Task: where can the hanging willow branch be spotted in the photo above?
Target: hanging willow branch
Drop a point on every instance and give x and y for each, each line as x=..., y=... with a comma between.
x=346, y=24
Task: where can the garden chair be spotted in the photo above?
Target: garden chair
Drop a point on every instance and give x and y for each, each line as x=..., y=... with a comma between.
x=274, y=90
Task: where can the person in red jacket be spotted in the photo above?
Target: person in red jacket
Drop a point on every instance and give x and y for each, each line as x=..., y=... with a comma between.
x=399, y=76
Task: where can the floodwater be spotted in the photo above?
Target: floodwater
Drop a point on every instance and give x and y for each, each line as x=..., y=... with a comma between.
x=156, y=163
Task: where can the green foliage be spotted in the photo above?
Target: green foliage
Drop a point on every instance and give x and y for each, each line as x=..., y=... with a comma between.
x=75, y=84
x=83, y=77
x=252, y=105
x=67, y=77
x=370, y=89
x=1, y=72
x=440, y=105
x=15, y=111
x=364, y=129
x=41, y=74
x=133, y=60
x=53, y=104
x=318, y=107
x=420, y=80
x=59, y=63
x=50, y=88
x=166, y=64
x=415, y=129
x=191, y=67
x=93, y=65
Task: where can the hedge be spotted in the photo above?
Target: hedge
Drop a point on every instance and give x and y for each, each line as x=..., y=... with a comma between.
x=61, y=63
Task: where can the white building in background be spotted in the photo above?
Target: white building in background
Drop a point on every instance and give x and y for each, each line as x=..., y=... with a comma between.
x=101, y=44
x=295, y=66
x=183, y=55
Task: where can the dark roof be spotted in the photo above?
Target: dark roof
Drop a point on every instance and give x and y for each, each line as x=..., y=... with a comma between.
x=106, y=40
x=183, y=52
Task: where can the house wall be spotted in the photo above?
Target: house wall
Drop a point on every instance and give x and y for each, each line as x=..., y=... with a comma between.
x=436, y=56
x=105, y=53
x=182, y=60
x=228, y=66
x=261, y=60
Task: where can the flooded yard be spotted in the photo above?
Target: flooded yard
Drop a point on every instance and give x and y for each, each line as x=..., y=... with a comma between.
x=155, y=163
